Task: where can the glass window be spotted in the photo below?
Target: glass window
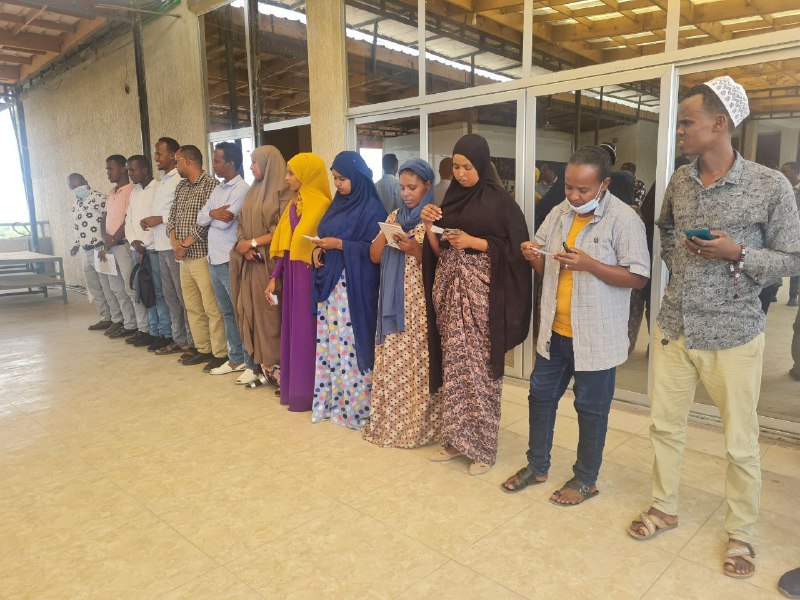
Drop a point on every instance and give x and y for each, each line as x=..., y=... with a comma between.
x=283, y=60
x=770, y=136
x=394, y=136
x=709, y=21
x=590, y=32
x=382, y=53
x=625, y=116
x=246, y=144
x=467, y=49
x=226, y=67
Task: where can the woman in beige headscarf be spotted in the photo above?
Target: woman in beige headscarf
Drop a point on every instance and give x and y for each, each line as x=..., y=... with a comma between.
x=259, y=322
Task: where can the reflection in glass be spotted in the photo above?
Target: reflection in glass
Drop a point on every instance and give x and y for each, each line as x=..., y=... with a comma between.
x=395, y=136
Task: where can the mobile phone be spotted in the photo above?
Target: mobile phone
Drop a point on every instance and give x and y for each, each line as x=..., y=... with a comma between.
x=539, y=251
x=704, y=233
x=452, y=231
x=567, y=249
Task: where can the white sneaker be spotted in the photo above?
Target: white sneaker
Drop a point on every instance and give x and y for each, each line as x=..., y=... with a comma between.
x=227, y=368
x=248, y=376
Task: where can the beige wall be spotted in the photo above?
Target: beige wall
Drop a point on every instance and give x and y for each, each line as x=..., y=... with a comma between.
x=75, y=122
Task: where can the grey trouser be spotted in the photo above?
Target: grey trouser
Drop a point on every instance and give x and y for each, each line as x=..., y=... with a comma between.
x=141, y=316
x=97, y=283
x=171, y=288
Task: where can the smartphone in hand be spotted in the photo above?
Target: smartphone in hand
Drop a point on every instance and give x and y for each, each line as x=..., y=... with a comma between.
x=703, y=233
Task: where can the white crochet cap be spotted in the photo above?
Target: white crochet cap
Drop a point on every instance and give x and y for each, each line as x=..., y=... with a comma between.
x=732, y=96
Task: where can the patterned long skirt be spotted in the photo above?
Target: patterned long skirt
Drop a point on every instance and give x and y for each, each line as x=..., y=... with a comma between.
x=404, y=412
x=471, y=398
x=341, y=390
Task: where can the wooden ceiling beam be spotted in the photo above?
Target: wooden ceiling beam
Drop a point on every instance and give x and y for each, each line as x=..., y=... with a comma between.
x=43, y=23
x=9, y=73
x=32, y=41
x=15, y=58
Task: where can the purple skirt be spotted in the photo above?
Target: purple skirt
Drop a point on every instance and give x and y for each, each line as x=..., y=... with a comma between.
x=298, y=337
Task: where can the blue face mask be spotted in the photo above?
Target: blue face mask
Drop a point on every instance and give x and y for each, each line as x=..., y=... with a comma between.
x=584, y=209
x=82, y=191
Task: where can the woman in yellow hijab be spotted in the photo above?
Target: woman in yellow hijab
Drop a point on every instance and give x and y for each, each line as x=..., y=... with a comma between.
x=291, y=246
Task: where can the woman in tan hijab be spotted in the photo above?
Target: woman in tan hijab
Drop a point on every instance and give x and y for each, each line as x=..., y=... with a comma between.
x=259, y=322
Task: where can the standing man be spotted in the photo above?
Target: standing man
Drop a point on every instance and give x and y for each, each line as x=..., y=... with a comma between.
x=388, y=187
x=141, y=206
x=164, y=155
x=547, y=177
x=596, y=252
x=221, y=216
x=445, y=177
x=112, y=229
x=87, y=212
x=792, y=172
x=711, y=327
x=190, y=244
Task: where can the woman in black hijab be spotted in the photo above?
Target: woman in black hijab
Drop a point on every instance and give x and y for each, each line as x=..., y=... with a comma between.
x=479, y=286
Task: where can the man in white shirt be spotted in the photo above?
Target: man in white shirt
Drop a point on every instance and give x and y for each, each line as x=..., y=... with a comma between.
x=388, y=187
x=446, y=175
x=143, y=249
x=164, y=156
x=221, y=215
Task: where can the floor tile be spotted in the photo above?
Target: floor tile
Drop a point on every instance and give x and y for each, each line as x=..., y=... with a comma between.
x=454, y=580
x=686, y=580
x=219, y=584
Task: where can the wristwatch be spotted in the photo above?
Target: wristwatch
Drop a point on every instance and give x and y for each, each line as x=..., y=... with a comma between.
x=253, y=243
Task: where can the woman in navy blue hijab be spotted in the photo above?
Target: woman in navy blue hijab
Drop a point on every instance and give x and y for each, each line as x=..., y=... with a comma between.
x=345, y=292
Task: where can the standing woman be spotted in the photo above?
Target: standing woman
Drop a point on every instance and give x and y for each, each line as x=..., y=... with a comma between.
x=479, y=285
x=404, y=412
x=259, y=323
x=346, y=292
x=291, y=247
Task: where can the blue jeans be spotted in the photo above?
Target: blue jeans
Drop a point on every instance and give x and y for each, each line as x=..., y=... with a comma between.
x=593, y=393
x=220, y=279
x=160, y=321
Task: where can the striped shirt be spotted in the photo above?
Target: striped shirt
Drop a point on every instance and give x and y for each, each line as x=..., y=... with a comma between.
x=189, y=200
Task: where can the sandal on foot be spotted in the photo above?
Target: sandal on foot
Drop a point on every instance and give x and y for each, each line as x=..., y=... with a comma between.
x=257, y=383
x=737, y=550
x=478, y=468
x=578, y=486
x=525, y=477
x=442, y=455
x=654, y=524
x=171, y=348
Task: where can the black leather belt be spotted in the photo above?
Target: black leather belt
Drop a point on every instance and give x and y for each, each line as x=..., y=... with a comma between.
x=97, y=245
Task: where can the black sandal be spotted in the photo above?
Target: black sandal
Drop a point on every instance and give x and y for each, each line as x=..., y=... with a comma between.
x=525, y=477
x=262, y=380
x=578, y=486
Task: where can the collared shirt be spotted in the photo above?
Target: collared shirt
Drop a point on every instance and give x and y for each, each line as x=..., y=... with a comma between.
x=599, y=312
x=755, y=206
x=439, y=191
x=117, y=207
x=86, y=214
x=162, y=202
x=190, y=198
x=140, y=206
x=543, y=187
x=222, y=235
x=389, y=191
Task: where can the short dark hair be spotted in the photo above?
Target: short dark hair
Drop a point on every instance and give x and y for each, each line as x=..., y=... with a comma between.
x=117, y=158
x=390, y=162
x=446, y=168
x=192, y=153
x=794, y=166
x=711, y=102
x=141, y=159
x=171, y=144
x=595, y=156
x=232, y=153
x=628, y=166
x=72, y=176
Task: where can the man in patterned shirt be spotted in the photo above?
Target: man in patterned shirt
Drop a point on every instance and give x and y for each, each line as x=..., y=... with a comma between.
x=86, y=214
x=190, y=243
x=711, y=327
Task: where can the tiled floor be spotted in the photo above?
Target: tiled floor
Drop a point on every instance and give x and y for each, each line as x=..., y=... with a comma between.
x=125, y=475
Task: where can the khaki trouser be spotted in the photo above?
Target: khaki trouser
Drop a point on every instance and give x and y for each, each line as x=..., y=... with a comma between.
x=205, y=320
x=732, y=378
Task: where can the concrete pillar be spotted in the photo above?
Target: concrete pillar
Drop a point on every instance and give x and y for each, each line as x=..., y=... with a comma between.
x=750, y=140
x=327, y=72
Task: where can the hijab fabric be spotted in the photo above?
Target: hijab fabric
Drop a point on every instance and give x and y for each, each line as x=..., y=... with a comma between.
x=391, y=308
x=486, y=210
x=353, y=219
x=315, y=196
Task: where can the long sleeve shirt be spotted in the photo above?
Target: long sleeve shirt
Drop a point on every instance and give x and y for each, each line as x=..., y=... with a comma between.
x=139, y=207
x=389, y=191
x=162, y=203
x=190, y=198
x=756, y=207
x=86, y=215
x=222, y=235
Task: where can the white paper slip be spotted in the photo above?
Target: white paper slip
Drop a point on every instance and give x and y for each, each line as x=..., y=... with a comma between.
x=314, y=238
x=540, y=251
x=390, y=230
x=274, y=298
x=437, y=230
x=109, y=267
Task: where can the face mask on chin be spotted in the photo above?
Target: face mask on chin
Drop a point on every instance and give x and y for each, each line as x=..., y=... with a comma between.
x=590, y=206
x=82, y=191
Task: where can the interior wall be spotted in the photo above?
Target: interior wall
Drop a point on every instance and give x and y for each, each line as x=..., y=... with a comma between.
x=74, y=123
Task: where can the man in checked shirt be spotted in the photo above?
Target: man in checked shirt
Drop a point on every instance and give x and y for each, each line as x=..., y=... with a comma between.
x=190, y=243
x=711, y=326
